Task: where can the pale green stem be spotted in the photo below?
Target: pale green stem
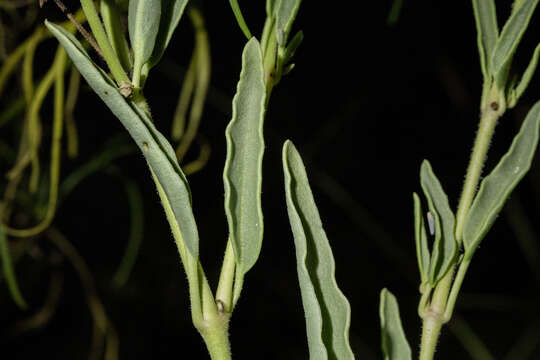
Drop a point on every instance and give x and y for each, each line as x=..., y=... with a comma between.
x=226, y=279
x=455, y=288
x=215, y=333
x=101, y=37
x=490, y=114
x=441, y=306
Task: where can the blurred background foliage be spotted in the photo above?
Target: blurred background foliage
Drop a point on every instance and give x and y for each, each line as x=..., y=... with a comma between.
x=378, y=86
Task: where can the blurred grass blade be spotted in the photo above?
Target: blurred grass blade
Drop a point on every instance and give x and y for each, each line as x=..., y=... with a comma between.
x=113, y=149
x=240, y=18
x=516, y=93
x=395, y=12
x=136, y=232
x=203, y=69
x=9, y=272
x=286, y=11
x=242, y=175
x=327, y=310
x=445, y=246
x=171, y=13
x=509, y=40
x=188, y=86
x=422, y=250
x=113, y=26
x=487, y=32
x=394, y=342
x=156, y=149
x=143, y=20
x=497, y=186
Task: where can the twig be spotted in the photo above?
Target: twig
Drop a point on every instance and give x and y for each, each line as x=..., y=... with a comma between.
x=78, y=25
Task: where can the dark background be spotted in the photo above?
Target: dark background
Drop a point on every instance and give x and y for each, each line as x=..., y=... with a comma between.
x=366, y=103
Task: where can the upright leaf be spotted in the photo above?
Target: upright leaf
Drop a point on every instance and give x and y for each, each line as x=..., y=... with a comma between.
x=156, y=149
x=497, y=186
x=240, y=18
x=509, y=39
x=171, y=13
x=516, y=93
x=286, y=11
x=242, y=175
x=394, y=342
x=487, y=30
x=422, y=250
x=143, y=20
x=445, y=246
x=113, y=26
x=326, y=309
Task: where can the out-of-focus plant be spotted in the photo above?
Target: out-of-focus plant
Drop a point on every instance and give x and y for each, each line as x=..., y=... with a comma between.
x=27, y=213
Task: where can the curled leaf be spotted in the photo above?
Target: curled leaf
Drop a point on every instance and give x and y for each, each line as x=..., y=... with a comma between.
x=326, y=308
x=242, y=175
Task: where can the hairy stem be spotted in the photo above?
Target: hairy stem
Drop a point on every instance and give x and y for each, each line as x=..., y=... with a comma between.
x=441, y=306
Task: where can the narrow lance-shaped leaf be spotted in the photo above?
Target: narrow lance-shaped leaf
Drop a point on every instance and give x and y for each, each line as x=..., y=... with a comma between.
x=270, y=7
x=293, y=46
x=240, y=18
x=156, y=149
x=326, y=309
x=488, y=31
x=9, y=272
x=509, y=40
x=143, y=20
x=422, y=250
x=171, y=13
x=445, y=245
x=394, y=342
x=242, y=175
x=516, y=93
x=113, y=26
x=285, y=11
x=497, y=186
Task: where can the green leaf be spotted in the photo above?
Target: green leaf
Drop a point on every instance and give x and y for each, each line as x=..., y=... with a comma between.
x=113, y=26
x=327, y=310
x=497, y=186
x=240, y=18
x=143, y=20
x=156, y=149
x=171, y=13
x=9, y=272
x=422, y=250
x=445, y=246
x=516, y=93
x=270, y=4
x=509, y=39
x=394, y=342
x=285, y=11
x=292, y=47
x=242, y=175
x=488, y=31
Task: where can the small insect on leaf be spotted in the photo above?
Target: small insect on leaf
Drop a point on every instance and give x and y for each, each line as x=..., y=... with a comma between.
x=431, y=223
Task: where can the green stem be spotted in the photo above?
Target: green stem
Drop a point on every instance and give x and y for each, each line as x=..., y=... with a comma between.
x=441, y=307
x=224, y=291
x=491, y=111
x=463, y=267
x=101, y=37
x=215, y=333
